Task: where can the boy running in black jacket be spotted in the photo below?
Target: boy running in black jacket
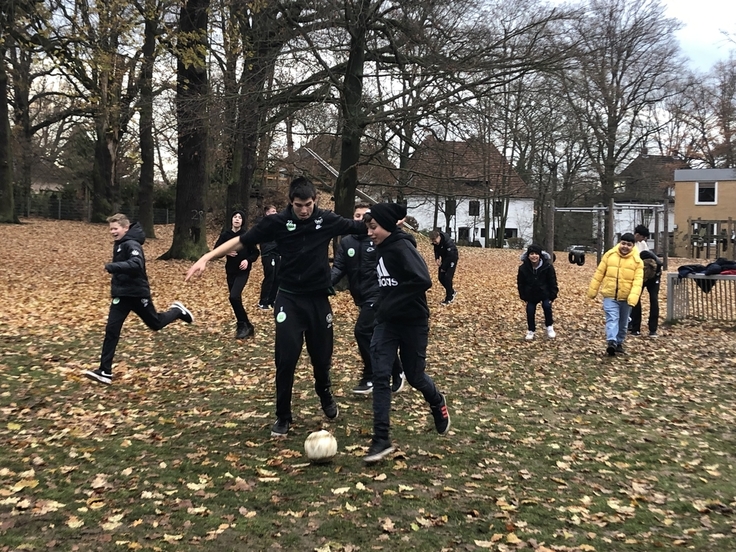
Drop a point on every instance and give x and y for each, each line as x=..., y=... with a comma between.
x=302, y=311
x=237, y=269
x=130, y=292
x=356, y=258
x=445, y=255
x=402, y=317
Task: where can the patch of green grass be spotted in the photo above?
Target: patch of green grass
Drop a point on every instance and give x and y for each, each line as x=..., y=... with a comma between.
x=572, y=453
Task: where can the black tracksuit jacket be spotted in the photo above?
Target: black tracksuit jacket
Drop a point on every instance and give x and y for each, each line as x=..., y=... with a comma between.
x=303, y=246
x=356, y=258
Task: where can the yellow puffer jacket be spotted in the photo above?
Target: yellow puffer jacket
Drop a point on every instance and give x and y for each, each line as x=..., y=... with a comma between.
x=618, y=277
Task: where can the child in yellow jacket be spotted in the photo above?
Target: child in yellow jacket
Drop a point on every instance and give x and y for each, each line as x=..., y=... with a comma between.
x=619, y=278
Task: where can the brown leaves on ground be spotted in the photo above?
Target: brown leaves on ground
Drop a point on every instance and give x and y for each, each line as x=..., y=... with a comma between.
x=554, y=446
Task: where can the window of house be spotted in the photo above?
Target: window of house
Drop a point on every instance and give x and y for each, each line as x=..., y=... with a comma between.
x=498, y=208
x=474, y=208
x=450, y=205
x=706, y=193
x=463, y=234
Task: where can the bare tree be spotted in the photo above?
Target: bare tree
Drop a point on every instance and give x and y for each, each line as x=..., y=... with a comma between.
x=624, y=60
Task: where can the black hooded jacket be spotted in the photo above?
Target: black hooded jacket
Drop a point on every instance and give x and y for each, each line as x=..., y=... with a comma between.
x=249, y=253
x=446, y=250
x=303, y=245
x=537, y=284
x=128, y=266
x=356, y=258
x=403, y=279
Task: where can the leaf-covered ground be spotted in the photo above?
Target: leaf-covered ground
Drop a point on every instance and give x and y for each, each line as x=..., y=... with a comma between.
x=554, y=445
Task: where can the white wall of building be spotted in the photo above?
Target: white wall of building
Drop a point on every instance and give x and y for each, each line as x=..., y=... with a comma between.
x=625, y=220
x=520, y=217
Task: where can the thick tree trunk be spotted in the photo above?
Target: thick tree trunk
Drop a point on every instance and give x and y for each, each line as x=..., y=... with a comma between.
x=190, y=236
x=102, y=206
x=145, y=189
x=7, y=206
x=347, y=180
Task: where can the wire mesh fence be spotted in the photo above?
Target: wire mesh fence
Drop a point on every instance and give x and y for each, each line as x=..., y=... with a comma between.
x=701, y=297
x=52, y=207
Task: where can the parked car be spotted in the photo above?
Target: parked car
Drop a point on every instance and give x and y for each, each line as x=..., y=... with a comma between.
x=583, y=248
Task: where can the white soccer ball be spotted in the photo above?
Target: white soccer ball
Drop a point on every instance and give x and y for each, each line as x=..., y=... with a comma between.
x=320, y=446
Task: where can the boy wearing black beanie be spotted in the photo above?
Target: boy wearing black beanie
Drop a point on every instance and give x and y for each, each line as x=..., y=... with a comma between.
x=402, y=323
x=537, y=283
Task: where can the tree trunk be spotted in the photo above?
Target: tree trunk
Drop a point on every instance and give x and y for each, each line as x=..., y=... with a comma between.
x=23, y=159
x=7, y=207
x=145, y=189
x=353, y=121
x=190, y=236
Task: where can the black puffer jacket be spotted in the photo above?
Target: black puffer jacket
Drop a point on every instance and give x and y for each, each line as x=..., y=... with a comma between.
x=537, y=284
x=356, y=258
x=128, y=266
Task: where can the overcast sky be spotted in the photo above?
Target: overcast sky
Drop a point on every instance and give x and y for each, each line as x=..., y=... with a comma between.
x=701, y=38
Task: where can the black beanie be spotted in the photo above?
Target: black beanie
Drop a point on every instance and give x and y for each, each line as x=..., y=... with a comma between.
x=238, y=212
x=387, y=214
x=534, y=248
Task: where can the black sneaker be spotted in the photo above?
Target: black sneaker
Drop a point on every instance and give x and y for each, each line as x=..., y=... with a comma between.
x=441, y=417
x=264, y=307
x=329, y=407
x=280, y=428
x=364, y=387
x=398, y=383
x=611, y=348
x=245, y=331
x=99, y=376
x=378, y=450
x=185, y=315
x=620, y=349
x=635, y=333
x=653, y=334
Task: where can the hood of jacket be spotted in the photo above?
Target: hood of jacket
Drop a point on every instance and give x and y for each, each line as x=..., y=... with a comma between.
x=135, y=233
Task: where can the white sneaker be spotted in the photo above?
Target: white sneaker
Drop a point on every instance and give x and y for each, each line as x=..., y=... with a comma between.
x=551, y=332
x=529, y=335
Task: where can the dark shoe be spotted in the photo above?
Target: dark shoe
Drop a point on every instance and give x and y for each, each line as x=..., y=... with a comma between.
x=185, y=315
x=653, y=334
x=441, y=417
x=635, y=333
x=329, y=407
x=264, y=307
x=99, y=376
x=378, y=450
x=244, y=331
x=398, y=383
x=364, y=387
x=280, y=428
x=620, y=349
x=611, y=348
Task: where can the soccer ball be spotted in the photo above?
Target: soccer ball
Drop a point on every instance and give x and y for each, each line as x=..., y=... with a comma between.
x=320, y=446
